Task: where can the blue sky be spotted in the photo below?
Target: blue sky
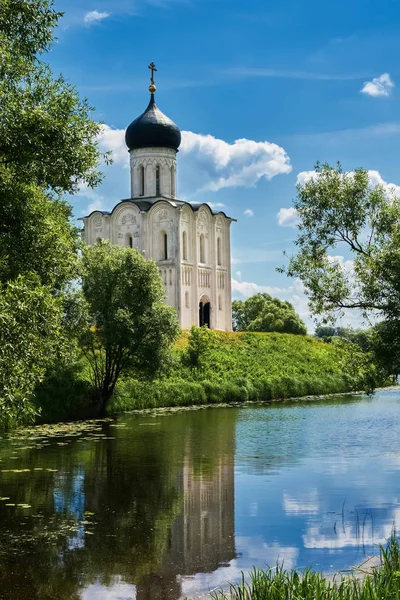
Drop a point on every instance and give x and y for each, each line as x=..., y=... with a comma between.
x=297, y=81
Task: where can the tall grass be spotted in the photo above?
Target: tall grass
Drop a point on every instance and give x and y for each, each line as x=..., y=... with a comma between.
x=216, y=367
x=278, y=584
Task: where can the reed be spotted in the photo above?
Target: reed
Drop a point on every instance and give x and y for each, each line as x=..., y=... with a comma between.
x=277, y=583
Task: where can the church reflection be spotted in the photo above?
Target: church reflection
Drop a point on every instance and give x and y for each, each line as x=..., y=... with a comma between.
x=202, y=537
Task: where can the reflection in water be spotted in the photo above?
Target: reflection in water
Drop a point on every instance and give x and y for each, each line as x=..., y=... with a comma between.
x=135, y=512
x=159, y=507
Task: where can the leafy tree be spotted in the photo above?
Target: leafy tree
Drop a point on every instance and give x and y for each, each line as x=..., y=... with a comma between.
x=340, y=212
x=261, y=312
x=133, y=328
x=47, y=147
x=29, y=328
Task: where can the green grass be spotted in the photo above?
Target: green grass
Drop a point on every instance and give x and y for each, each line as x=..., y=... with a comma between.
x=217, y=367
x=278, y=584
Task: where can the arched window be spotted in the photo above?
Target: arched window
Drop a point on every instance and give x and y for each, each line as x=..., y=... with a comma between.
x=187, y=299
x=184, y=246
x=141, y=180
x=164, y=246
x=202, y=248
x=129, y=240
x=98, y=240
x=173, y=182
x=219, y=262
x=157, y=180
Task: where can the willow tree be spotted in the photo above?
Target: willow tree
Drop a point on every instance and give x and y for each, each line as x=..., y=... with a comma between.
x=47, y=148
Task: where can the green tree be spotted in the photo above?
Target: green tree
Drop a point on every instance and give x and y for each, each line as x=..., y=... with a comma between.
x=47, y=147
x=133, y=328
x=261, y=312
x=340, y=212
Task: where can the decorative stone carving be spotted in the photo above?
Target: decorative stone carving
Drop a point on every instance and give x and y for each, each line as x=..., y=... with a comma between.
x=128, y=219
x=97, y=221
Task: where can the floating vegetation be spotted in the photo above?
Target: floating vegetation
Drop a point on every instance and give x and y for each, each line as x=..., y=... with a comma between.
x=4, y=498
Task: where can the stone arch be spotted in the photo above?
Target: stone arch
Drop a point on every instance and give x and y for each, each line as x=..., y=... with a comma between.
x=205, y=311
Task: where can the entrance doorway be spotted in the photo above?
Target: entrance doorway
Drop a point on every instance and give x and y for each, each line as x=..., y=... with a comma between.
x=204, y=313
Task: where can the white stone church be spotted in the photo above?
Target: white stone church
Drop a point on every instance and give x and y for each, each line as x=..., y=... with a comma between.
x=189, y=242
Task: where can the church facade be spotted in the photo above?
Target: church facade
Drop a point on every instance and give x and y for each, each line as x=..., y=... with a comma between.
x=189, y=242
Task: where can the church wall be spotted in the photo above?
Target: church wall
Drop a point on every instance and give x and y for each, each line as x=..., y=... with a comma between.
x=163, y=221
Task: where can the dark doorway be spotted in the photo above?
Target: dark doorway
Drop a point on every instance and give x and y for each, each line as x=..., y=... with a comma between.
x=204, y=314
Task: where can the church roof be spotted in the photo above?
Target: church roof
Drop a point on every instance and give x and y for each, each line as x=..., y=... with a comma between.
x=145, y=205
x=153, y=129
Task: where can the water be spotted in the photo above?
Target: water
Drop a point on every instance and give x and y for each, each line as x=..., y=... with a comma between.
x=160, y=506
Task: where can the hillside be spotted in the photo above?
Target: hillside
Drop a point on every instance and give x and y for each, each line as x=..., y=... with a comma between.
x=212, y=367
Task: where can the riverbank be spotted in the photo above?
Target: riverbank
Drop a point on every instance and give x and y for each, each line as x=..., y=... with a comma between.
x=210, y=367
x=240, y=367
x=377, y=577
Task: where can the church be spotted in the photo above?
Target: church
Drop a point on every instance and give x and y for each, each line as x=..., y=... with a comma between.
x=189, y=242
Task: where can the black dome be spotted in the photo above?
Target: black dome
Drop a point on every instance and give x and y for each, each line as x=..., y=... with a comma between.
x=153, y=128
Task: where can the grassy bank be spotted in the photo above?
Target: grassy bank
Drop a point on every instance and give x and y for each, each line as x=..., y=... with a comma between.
x=383, y=583
x=213, y=367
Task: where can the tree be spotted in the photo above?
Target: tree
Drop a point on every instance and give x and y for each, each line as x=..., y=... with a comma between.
x=261, y=312
x=341, y=212
x=132, y=328
x=47, y=147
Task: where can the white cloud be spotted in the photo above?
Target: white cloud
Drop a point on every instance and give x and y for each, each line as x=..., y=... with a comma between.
x=114, y=140
x=248, y=212
x=247, y=289
x=212, y=161
x=379, y=86
x=241, y=164
x=288, y=217
x=95, y=17
x=215, y=204
x=239, y=275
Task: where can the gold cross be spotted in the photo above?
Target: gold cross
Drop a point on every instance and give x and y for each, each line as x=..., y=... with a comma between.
x=152, y=67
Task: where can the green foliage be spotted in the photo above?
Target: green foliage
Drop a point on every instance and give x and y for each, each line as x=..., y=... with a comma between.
x=134, y=328
x=261, y=312
x=30, y=320
x=199, y=347
x=47, y=147
x=251, y=366
x=339, y=212
x=277, y=583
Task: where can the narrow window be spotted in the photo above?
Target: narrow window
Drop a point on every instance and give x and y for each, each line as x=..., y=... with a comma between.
x=187, y=299
x=128, y=240
x=184, y=245
x=172, y=182
x=164, y=246
x=219, y=252
x=157, y=181
x=141, y=180
x=219, y=303
x=202, y=248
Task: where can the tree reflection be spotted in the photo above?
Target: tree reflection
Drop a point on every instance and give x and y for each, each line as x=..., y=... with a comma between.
x=153, y=503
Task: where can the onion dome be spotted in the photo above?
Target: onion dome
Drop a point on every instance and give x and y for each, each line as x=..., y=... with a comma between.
x=153, y=129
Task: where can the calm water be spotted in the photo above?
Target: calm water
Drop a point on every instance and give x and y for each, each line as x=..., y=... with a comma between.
x=153, y=507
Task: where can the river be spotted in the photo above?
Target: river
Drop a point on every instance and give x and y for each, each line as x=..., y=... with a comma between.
x=156, y=506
